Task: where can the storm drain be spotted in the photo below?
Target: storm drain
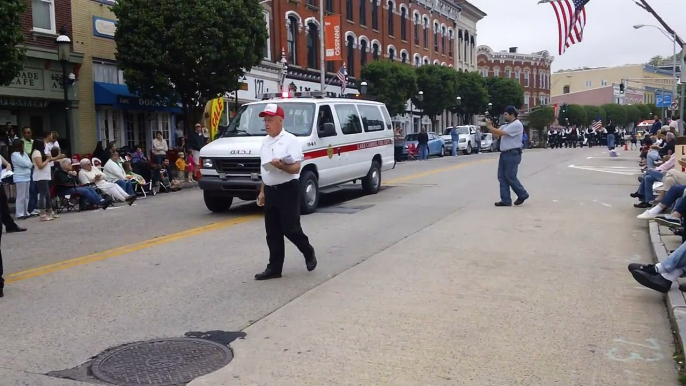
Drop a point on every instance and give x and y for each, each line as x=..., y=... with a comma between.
x=160, y=362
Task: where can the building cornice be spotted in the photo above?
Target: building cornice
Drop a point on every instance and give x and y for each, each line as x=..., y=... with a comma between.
x=543, y=56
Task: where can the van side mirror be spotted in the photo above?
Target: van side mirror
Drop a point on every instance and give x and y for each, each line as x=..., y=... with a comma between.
x=327, y=130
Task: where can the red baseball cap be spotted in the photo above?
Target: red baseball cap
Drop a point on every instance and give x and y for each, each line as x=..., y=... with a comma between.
x=272, y=109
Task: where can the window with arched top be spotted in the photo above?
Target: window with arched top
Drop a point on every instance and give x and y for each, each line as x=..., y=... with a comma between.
x=350, y=67
x=450, y=42
x=426, y=33
x=443, y=41
x=518, y=74
x=363, y=12
x=391, y=54
x=426, y=61
x=527, y=75
x=416, y=29
x=417, y=61
x=390, y=18
x=403, y=57
x=436, y=30
x=403, y=23
x=312, y=45
x=375, y=15
x=363, y=52
x=292, y=40
x=375, y=51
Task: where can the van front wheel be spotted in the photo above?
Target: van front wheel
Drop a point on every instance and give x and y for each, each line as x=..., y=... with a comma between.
x=217, y=203
x=371, y=183
x=309, y=192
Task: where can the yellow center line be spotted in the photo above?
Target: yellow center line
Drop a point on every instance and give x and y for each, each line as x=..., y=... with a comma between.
x=98, y=256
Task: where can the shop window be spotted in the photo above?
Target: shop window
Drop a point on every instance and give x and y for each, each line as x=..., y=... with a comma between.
x=403, y=23
x=349, y=119
x=130, y=127
x=292, y=40
x=140, y=129
x=107, y=73
x=363, y=12
x=372, y=120
x=312, y=43
x=390, y=18
x=375, y=15
x=43, y=12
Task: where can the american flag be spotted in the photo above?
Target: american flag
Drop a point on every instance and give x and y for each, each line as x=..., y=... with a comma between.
x=342, y=76
x=597, y=124
x=571, y=20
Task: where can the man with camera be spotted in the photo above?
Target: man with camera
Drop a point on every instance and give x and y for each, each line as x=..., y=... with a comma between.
x=510, y=135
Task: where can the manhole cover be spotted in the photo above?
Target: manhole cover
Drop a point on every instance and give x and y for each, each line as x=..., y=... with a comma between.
x=161, y=362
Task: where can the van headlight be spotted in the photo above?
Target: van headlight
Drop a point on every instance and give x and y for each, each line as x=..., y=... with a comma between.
x=463, y=139
x=207, y=163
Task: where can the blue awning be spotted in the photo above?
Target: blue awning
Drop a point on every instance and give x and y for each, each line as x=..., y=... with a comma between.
x=119, y=97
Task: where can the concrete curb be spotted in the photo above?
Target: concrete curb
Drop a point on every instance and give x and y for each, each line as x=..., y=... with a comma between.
x=674, y=299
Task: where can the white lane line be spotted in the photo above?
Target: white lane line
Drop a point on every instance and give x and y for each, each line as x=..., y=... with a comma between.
x=608, y=205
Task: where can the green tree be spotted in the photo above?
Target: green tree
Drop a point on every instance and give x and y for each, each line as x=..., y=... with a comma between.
x=541, y=117
x=188, y=51
x=471, y=88
x=392, y=83
x=577, y=115
x=439, y=85
x=592, y=113
x=633, y=114
x=616, y=112
x=503, y=92
x=645, y=111
x=654, y=110
x=11, y=55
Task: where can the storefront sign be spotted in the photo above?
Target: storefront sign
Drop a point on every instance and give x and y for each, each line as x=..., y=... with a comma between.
x=34, y=79
x=136, y=101
x=216, y=112
x=332, y=37
x=21, y=102
x=104, y=28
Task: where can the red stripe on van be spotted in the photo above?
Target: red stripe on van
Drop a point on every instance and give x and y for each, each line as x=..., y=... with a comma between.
x=337, y=150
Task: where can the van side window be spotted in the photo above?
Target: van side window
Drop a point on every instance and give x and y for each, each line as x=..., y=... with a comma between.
x=349, y=119
x=325, y=116
x=387, y=116
x=372, y=120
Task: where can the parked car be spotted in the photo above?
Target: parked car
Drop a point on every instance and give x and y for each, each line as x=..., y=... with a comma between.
x=467, y=141
x=488, y=143
x=436, y=144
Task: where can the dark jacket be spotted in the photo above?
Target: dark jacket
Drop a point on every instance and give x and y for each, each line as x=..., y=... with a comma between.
x=64, y=181
x=657, y=125
x=423, y=138
x=196, y=141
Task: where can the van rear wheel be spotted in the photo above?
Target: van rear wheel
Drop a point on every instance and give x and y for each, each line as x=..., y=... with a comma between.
x=309, y=192
x=371, y=183
x=217, y=203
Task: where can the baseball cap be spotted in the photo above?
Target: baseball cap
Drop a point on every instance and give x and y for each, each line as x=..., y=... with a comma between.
x=272, y=109
x=511, y=110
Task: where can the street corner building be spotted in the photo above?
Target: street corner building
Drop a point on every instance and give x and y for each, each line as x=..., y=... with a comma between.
x=35, y=97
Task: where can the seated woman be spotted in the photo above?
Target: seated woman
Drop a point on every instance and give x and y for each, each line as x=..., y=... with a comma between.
x=66, y=183
x=114, y=172
x=91, y=175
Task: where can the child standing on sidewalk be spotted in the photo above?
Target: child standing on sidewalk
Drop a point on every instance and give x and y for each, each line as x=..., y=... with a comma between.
x=181, y=167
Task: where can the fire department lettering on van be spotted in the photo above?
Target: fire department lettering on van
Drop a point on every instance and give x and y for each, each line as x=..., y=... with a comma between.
x=343, y=140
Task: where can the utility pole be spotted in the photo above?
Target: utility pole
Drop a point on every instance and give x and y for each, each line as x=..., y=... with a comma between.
x=322, y=48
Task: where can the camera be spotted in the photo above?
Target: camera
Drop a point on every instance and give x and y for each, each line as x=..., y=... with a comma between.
x=55, y=151
x=488, y=116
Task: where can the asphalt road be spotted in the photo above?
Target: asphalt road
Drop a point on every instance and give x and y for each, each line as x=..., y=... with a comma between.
x=549, y=278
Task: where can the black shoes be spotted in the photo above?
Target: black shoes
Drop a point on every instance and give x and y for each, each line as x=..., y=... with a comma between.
x=643, y=205
x=636, y=195
x=267, y=274
x=655, y=282
x=521, y=200
x=15, y=230
x=311, y=262
x=647, y=268
x=106, y=204
x=130, y=199
x=2, y=293
x=500, y=203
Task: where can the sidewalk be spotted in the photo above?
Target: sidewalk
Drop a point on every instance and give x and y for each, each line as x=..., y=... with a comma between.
x=466, y=301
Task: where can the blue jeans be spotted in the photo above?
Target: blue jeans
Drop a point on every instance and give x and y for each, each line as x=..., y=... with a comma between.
x=646, y=187
x=89, y=194
x=507, y=176
x=454, y=145
x=676, y=259
x=33, y=194
x=610, y=141
x=673, y=194
x=127, y=186
x=423, y=151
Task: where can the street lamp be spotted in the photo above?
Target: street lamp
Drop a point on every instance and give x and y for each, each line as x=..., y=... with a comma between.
x=363, y=88
x=671, y=37
x=63, y=54
x=459, y=101
x=420, y=98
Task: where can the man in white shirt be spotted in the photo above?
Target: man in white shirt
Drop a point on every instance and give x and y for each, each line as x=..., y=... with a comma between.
x=281, y=156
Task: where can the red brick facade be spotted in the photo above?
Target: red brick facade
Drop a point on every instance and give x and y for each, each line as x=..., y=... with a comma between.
x=62, y=9
x=386, y=34
x=515, y=65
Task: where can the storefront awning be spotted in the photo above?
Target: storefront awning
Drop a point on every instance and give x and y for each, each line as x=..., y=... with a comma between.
x=119, y=97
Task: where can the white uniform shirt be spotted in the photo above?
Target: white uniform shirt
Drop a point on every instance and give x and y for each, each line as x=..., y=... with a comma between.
x=282, y=146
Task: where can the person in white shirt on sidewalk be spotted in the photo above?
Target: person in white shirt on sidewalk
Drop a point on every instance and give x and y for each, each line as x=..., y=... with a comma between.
x=114, y=172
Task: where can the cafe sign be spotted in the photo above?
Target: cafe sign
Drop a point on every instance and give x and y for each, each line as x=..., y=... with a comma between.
x=138, y=102
x=37, y=79
x=104, y=28
x=23, y=102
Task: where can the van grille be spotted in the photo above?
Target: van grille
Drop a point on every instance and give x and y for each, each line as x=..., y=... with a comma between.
x=237, y=165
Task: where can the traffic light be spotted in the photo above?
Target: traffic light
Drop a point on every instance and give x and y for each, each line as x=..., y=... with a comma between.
x=621, y=88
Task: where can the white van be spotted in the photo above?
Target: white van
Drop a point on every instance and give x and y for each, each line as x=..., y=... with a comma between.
x=343, y=140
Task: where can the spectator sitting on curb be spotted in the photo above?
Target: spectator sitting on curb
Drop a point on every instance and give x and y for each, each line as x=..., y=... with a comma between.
x=660, y=276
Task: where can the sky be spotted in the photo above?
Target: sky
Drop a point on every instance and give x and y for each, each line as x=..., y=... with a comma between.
x=609, y=36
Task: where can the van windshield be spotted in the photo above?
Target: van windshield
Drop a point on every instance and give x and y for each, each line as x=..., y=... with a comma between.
x=298, y=119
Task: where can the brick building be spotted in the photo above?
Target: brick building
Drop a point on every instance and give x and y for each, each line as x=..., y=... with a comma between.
x=35, y=98
x=531, y=70
x=416, y=33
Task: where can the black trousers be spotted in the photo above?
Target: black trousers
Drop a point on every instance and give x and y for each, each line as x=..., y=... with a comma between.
x=7, y=219
x=282, y=218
